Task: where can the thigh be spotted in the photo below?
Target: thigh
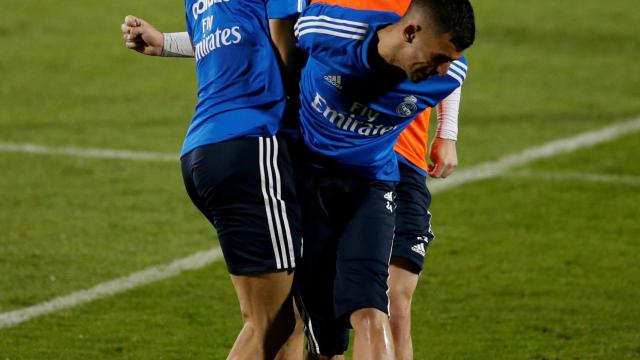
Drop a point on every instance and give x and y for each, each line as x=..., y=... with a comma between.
x=348, y=230
x=413, y=232
x=364, y=250
x=245, y=188
x=315, y=276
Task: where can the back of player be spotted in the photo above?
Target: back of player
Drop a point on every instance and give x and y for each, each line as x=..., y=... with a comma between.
x=236, y=169
x=222, y=32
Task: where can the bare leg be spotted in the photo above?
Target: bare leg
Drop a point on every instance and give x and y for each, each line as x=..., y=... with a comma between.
x=373, y=339
x=267, y=314
x=294, y=347
x=402, y=284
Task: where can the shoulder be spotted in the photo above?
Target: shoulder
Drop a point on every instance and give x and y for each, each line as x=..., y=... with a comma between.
x=284, y=9
x=339, y=22
x=338, y=34
x=321, y=21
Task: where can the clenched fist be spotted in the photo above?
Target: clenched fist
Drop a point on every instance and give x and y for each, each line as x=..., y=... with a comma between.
x=141, y=36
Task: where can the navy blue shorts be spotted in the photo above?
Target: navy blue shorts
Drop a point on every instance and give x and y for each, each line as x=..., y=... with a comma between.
x=348, y=226
x=245, y=188
x=413, y=220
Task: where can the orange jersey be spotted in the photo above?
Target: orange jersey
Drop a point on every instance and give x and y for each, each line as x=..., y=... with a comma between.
x=397, y=6
x=412, y=143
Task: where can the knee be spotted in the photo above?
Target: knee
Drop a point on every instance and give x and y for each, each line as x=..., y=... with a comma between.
x=368, y=318
x=250, y=330
x=254, y=325
x=261, y=318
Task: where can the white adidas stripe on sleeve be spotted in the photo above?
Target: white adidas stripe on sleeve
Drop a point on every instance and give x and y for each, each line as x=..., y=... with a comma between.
x=456, y=68
x=461, y=65
x=455, y=76
x=330, y=25
x=330, y=32
x=330, y=19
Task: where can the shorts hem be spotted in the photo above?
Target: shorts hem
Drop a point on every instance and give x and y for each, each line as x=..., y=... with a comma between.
x=343, y=316
x=257, y=269
x=416, y=266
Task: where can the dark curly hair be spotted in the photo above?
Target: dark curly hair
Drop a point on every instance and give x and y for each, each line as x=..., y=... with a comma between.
x=450, y=16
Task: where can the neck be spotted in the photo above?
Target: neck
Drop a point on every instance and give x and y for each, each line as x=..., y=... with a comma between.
x=386, y=51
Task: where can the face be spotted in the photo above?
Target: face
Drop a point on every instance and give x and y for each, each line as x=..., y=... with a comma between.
x=426, y=53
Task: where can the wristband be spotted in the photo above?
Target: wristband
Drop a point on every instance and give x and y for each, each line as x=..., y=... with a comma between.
x=177, y=45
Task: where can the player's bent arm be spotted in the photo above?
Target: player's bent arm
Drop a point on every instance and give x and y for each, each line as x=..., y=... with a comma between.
x=142, y=37
x=443, y=152
x=179, y=44
x=284, y=39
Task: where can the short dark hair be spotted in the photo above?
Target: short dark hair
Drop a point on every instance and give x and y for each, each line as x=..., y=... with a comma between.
x=450, y=16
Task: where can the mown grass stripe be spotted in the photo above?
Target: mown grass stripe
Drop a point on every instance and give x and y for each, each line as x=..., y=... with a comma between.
x=575, y=177
x=202, y=259
x=26, y=148
x=553, y=148
x=112, y=287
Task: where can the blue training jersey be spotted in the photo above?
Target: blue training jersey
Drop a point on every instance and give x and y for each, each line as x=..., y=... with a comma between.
x=351, y=116
x=240, y=89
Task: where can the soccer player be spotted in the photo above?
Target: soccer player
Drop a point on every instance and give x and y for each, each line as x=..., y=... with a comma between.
x=235, y=167
x=413, y=232
x=368, y=74
x=413, y=220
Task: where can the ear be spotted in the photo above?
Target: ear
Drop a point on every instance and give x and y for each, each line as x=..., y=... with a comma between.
x=409, y=33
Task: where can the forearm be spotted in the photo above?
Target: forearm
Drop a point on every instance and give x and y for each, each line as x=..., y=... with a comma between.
x=177, y=45
x=448, y=110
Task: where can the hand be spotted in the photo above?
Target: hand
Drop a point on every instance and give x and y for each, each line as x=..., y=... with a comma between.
x=443, y=156
x=141, y=36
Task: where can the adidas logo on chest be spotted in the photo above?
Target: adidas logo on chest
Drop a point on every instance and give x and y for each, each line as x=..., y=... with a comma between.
x=335, y=80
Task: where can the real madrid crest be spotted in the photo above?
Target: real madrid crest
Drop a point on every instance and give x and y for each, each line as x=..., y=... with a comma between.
x=408, y=107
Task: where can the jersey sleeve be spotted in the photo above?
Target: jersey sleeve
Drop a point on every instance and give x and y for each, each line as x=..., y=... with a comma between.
x=285, y=9
x=436, y=88
x=333, y=36
x=458, y=70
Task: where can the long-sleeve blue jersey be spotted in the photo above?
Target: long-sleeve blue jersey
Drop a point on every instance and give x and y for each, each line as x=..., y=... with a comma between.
x=240, y=90
x=350, y=115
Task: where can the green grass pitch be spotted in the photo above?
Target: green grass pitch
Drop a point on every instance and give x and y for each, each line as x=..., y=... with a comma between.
x=525, y=266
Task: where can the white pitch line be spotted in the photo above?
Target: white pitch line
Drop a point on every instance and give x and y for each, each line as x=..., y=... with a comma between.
x=86, y=152
x=574, y=176
x=113, y=287
x=202, y=259
x=561, y=146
